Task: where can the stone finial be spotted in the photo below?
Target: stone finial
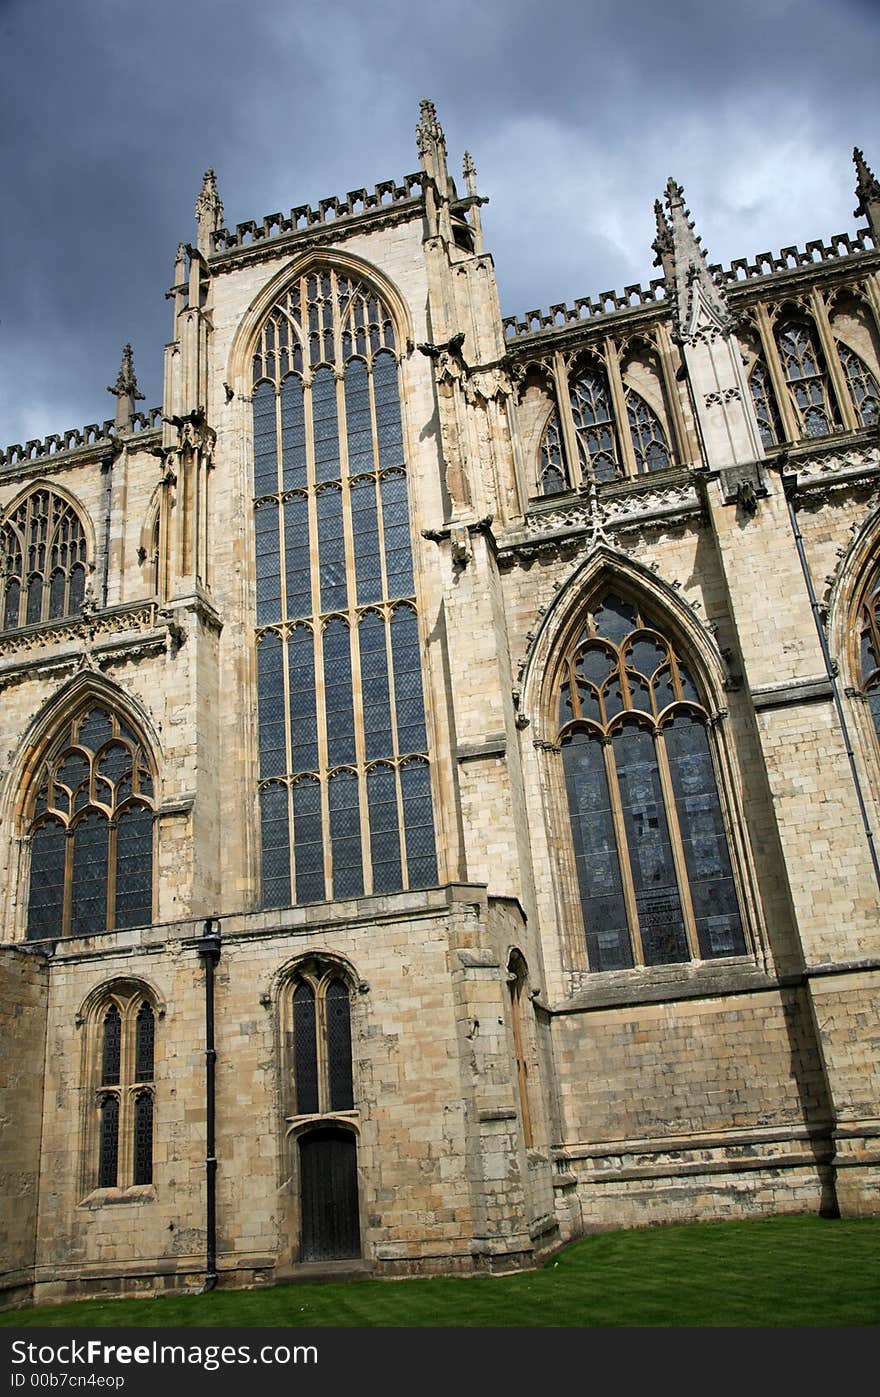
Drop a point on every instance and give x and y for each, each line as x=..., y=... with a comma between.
x=662, y=244
x=431, y=144
x=698, y=303
x=209, y=213
x=469, y=172
x=125, y=391
x=867, y=192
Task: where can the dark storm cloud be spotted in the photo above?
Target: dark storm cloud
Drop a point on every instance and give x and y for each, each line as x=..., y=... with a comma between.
x=576, y=113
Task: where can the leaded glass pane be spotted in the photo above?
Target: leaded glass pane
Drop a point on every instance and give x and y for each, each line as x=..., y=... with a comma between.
x=703, y=837
x=325, y=426
x=418, y=824
x=11, y=604
x=268, y=561
x=46, y=900
x=56, y=595
x=275, y=845
x=108, y=1158
x=378, y=738
x=331, y=551
x=145, y=1039
x=270, y=705
x=302, y=699
x=596, y=856
x=134, y=867
x=265, y=451
x=384, y=832
x=398, y=549
x=358, y=421
x=90, y=871
x=862, y=386
x=305, y=1050
x=593, y=419
x=293, y=434
x=77, y=589
x=408, y=704
x=658, y=902
x=111, y=1055
x=553, y=476
x=365, y=528
x=345, y=834
x=338, y=698
x=143, y=1138
x=765, y=406
x=297, y=557
x=34, y=600
x=339, y=1076
x=614, y=618
x=648, y=438
x=95, y=729
x=805, y=373
x=387, y=411
x=115, y=762
x=308, y=838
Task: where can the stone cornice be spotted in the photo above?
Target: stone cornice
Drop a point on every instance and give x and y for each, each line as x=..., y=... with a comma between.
x=52, y=649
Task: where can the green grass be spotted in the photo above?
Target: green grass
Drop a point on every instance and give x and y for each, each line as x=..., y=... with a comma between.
x=767, y=1272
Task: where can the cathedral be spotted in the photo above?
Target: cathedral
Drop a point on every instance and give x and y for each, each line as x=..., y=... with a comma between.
x=440, y=759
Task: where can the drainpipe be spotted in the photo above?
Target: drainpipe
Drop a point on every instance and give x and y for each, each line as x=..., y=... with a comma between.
x=209, y=950
x=790, y=485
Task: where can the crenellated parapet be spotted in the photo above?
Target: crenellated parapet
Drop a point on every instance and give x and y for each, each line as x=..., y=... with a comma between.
x=77, y=438
x=356, y=204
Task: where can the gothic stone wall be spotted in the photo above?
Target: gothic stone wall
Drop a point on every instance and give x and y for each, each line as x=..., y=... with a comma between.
x=24, y=982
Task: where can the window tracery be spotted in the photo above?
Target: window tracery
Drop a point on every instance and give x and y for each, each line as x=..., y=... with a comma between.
x=805, y=373
x=91, y=831
x=653, y=867
x=764, y=402
x=862, y=385
x=869, y=649
x=344, y=781
x=123, y=1090
x=42, y=561
x=596, y=432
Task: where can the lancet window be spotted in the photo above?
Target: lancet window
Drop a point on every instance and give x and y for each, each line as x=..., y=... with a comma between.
x=344, y=781
x=91, y=831
x=862, y=386
x=318, y=1042
x=653, y=866
x=765, y=405
x=869, y=649
x=42, y=561
x=123, y=1091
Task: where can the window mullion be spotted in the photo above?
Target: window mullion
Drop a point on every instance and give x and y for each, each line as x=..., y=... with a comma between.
x=623, y=855
x=323, y=1072
x=678, y=857
x=67, y=904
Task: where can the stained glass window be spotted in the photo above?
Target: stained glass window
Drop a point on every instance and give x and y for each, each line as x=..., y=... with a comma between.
x=650, y=847
x=42, y=561
x=805, y=373
x=339, y=670
x=765, y=406
x=862, y=386
x=123, y=1116
x=869, y=649
x=91, y=832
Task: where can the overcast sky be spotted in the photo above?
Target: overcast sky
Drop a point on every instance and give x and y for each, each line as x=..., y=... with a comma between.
x=575, y=111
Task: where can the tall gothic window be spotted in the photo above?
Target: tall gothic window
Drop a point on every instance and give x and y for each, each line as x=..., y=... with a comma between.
x=553, y=474
x=91, y=831
x=765, y=405
x=594, y=424
x=653, y=866
x=862, y=386
x=318, y=1042
x=123, y=1091
x=806, y=376
x=345, y=794
x=42, y=561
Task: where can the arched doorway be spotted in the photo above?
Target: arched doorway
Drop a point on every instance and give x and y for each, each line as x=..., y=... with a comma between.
x=330, y=1228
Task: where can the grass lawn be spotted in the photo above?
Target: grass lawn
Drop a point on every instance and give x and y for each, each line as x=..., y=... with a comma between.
x=767, y=1272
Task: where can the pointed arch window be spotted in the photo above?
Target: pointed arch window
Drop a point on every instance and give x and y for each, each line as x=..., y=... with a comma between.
x=764, y=402
x=594, y=424
x=869, y=648
x=317, y=1030
x=862, y=384
x=340, y=696
x=653, y=866
x=42, y=561
x=596, y=433
x=91, y=831
x=805, y=373
x=123, y=1090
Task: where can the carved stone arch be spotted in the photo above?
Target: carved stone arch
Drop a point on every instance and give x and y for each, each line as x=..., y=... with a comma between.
x=125, y=986
x=86, y=688
x=535, y=368
x=606, y=567
x=304, y=961
x=241, y=352
x=856, y=572
x=150, y=543
x=70, y=499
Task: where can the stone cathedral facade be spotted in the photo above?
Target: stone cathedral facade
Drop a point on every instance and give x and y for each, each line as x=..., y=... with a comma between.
x=498, y=701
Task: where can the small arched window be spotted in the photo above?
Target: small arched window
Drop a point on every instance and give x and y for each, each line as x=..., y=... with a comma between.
x=653, y=866
x=91, y=831
x=862, y=386
x=339, y=672
x=317, y=1013
x=806, y=375
x=122, y=1090
x=42, y=561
